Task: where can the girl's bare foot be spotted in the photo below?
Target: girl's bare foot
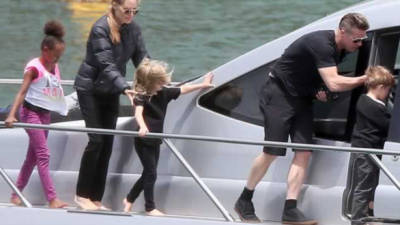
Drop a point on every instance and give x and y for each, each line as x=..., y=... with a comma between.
x=155, y=212
x=127, y=205
x=16, y=200
x=85, y=203
x=100, y=206
x=57, y=203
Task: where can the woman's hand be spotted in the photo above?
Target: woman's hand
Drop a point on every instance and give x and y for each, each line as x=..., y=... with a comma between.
x=10, y=121
x=143, y=131
x=130, y=94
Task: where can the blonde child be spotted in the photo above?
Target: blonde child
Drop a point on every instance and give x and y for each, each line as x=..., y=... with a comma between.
x=40, y=93
x=370, y=131
x=151, y=106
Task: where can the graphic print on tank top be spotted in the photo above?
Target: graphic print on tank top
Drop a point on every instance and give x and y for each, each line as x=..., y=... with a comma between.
x=46, y=91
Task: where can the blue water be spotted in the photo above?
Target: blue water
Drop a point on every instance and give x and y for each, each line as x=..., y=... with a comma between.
x=193, y=36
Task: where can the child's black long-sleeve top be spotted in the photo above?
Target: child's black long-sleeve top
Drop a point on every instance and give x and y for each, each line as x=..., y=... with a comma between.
x=372, y=123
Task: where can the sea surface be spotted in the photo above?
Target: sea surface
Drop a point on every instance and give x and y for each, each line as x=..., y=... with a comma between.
x=193, y=36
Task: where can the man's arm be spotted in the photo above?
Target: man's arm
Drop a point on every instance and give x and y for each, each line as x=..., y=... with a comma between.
x=336, y=82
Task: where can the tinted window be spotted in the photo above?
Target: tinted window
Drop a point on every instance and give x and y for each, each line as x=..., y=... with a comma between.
x=239, y=98
x=388, y=55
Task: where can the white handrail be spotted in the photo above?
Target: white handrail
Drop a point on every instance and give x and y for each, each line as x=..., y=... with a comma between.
x=207, y=138
x=14, y=188
x=63, y=82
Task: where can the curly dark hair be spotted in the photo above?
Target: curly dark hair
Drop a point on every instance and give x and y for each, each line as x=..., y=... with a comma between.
x=54, y=33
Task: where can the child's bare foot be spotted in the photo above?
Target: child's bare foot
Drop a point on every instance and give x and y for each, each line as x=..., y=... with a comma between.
x=57, y=203
x=16, y=200
x=85, y=203
x=127, y=205
x=155, y=212
x=100, y=206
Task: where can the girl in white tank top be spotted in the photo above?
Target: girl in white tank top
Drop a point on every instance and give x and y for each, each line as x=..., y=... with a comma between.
x=40, y=93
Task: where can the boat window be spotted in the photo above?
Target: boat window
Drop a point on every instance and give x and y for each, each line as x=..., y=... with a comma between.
x=239, y=98
x=387, y=54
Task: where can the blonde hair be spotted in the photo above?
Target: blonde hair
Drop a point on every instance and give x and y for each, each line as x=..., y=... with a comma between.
x=378, y=75
x=354, y=20
x=150, y=73
x=115, y=35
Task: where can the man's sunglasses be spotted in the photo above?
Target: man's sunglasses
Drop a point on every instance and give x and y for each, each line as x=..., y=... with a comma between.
x=357, y=40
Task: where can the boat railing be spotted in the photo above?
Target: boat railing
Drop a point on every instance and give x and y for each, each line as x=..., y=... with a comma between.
x=166, y=138
x=67, y=83
x=14, y=188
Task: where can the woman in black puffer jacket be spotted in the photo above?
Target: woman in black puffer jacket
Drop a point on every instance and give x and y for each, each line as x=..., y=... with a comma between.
x=114, y=39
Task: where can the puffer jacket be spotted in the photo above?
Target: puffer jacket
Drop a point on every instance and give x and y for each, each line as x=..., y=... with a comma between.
x=103, y=70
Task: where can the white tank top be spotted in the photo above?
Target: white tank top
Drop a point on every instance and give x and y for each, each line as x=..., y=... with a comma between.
x=45, y=90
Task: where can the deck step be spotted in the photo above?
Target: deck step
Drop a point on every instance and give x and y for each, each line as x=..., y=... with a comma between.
x=101, y=212
x=44, y=216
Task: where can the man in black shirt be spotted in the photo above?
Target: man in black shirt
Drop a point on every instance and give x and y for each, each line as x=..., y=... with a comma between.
x=286, y=102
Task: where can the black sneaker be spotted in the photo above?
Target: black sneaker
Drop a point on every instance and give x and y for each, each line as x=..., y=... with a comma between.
x=245, y=210
x=296, y=217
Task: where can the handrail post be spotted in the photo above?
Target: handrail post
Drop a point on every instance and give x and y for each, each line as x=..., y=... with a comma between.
x=200, y=182
x=14, y=188
x=385, y=170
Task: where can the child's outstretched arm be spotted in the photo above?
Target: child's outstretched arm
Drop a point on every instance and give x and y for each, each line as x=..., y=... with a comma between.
x=143, y=130
x=187, y=88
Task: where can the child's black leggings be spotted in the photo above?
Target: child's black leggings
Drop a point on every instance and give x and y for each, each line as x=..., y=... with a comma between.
x=148, y=155
x=364, y=180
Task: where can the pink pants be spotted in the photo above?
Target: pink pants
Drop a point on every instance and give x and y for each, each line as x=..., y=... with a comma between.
x=38, y=153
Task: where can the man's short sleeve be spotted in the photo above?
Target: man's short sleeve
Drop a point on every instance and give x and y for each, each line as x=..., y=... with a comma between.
x=322, y=51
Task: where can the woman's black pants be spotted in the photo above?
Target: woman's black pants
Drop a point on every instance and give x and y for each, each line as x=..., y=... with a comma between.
x=98, y=111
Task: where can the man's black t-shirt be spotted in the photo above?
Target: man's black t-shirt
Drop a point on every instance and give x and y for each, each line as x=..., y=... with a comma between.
x=297, y=69
x=372, y=123
x=154, y=110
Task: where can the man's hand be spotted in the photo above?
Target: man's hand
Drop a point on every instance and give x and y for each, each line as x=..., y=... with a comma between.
x=321, y=96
